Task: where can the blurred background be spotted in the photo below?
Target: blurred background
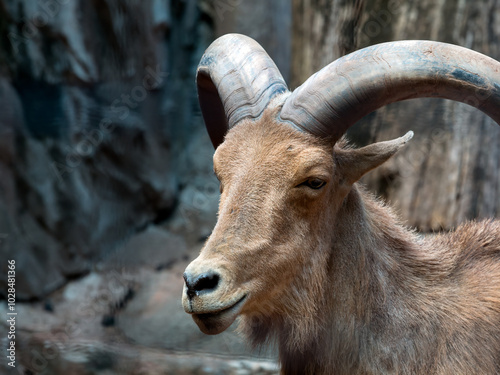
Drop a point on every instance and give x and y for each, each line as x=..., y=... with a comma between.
x=106, y=184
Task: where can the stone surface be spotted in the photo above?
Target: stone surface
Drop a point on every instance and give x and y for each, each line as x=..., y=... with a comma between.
x=154, y=247
x=98, y=106
x=149, y=332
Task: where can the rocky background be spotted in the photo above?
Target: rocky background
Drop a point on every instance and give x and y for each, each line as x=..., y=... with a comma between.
x=106, y=183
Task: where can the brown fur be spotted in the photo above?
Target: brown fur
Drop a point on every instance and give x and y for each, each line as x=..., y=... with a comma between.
x=332, y=276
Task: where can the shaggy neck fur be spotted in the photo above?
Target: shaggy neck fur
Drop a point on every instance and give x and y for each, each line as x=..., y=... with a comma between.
x=388, y=302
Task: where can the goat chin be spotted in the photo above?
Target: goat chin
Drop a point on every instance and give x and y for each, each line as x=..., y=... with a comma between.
x=217, y=322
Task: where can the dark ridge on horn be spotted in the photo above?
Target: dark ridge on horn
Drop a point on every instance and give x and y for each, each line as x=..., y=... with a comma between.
x=340, y=94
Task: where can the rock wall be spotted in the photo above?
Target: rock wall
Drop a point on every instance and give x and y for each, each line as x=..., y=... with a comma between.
x=98, y=108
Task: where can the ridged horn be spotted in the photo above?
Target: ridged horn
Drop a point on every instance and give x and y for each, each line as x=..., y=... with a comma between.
x=236, y=79
x=340, y=94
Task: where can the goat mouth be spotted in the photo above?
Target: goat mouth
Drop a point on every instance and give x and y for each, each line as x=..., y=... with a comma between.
x=215, y=322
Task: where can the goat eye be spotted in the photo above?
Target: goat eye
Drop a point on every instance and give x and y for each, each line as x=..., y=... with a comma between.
x=315, y=183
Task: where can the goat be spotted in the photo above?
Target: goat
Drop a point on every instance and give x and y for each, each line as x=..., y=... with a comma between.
x=303, y=254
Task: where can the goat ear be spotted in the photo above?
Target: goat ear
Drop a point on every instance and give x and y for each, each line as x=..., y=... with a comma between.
x=354, y=163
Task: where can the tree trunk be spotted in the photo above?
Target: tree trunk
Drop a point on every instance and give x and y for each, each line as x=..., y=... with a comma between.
x=450, y=171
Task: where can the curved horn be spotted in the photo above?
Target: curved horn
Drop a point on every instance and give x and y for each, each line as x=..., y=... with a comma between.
x=236, y=79
x=340, y=94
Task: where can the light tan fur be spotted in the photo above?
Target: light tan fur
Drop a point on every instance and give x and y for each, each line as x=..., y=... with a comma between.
x=331, y=275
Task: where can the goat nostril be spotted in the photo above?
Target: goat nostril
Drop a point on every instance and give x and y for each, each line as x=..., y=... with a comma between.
x=204, y=282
